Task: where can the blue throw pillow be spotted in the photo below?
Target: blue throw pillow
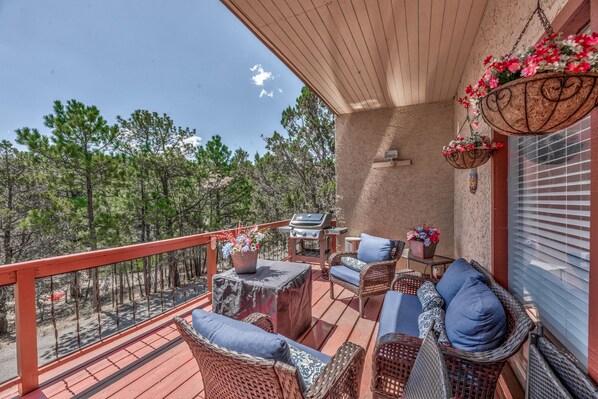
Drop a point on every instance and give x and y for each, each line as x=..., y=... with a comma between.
x=452, y=281
x=309, y=366
x=424, y=321
x=475, y=319
x=352, y=263
x=374, y=249
x=240, y=337
x=429, y=297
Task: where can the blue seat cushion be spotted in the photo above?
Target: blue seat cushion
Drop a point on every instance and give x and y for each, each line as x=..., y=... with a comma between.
x=374, y=249
x=344, y=273
x=240, y=337
x=399, y=314
x=475, y=319
x=452, y=281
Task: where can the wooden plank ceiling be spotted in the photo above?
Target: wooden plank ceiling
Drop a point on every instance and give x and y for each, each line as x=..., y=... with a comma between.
x=368, y=54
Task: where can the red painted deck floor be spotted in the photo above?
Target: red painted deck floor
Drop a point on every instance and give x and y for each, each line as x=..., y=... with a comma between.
x=158, y=364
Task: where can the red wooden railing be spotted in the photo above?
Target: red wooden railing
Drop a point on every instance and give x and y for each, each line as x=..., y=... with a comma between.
x=23, y=275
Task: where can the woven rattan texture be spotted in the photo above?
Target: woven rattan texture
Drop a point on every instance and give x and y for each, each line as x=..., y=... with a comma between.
x=231, y=375
x=541, y=380
x=374, y=279
x=472, y=374
x=429, y=378
x=575, y=381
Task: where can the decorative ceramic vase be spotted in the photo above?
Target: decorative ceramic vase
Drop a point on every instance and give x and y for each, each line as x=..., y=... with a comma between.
x=245, y=262
x=419, y=250
x=540, y=104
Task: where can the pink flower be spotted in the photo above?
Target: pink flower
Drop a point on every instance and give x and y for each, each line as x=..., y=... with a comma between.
x=514, y=66
x=474, y=125
x=530, y=70
x=493, y=82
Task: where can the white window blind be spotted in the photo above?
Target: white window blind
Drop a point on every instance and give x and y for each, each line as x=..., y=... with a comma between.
x=549, y=230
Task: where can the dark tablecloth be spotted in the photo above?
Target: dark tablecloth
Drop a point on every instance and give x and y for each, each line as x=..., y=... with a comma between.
x=279, y=289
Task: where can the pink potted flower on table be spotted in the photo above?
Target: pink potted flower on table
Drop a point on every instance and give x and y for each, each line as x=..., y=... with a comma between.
x=242, y=246
x=423, y=240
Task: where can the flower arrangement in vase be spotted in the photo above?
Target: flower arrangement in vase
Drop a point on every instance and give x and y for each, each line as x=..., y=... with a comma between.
x=242, y=245
x=423, y=240
x=540, y=90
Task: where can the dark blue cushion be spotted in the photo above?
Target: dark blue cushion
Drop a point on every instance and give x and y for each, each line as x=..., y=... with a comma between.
x=399, y=314
x=240, y=337
x=374, y=249
x=475, y=318
x=345, y=274
x=452, y=281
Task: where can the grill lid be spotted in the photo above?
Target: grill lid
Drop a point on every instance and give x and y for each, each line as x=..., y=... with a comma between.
x=311, y=220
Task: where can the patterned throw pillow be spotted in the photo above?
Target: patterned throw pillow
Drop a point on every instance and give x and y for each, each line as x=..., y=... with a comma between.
x=309, y=366
x=425, y=320
x=353, y=264
x=429, y=297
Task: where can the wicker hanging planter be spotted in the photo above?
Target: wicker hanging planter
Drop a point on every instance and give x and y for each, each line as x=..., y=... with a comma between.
x=540, y=104
x=468, y=159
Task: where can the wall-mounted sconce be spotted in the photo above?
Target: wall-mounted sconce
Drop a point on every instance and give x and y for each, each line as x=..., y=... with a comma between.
x=391, y=160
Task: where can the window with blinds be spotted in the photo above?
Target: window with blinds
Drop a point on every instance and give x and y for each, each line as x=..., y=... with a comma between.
x=549, y=230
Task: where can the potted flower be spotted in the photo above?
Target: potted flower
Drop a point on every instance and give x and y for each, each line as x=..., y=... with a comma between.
x=470, y=152
x=540, y=90
x=242, y=246
x=423, y=240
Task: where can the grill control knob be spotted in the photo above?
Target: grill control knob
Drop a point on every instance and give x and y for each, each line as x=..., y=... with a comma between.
x=314, y=234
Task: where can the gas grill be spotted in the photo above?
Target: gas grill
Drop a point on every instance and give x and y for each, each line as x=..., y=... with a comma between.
x=310, y=238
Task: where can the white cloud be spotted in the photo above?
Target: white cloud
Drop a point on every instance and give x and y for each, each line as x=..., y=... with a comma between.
x=266, y=93
x=193, y=140
x=261, y=75
x=280, y=91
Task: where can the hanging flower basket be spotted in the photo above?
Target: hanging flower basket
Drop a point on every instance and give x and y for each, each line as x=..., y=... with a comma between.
x=543, y=89
x=540, y=104
x=470, y=152
x=468, y=159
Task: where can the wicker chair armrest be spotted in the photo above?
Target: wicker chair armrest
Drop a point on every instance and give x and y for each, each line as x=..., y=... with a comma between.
x=342, y=376
x=261, y=320
x=408, y=284
x=392, y=360
x=335, y=258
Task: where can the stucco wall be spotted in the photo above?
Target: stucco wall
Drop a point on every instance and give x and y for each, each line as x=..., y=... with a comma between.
x=501, y=24
x=385, y=202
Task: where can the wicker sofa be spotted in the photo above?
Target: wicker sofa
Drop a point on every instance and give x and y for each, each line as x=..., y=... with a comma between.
x=231, y=375
x=472, y=374
x=374, y=279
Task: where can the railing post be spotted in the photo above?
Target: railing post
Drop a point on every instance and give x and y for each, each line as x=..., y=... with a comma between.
x=26, y=329
x=211, y=260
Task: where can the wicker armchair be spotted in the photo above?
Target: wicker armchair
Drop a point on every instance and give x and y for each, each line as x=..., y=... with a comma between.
x=231, y=375
x=374, y=279
x=552, y=374
x=472, y=374
x=429, y=378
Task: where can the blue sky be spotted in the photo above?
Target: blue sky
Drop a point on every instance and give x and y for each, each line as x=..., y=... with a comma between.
x=191, y=59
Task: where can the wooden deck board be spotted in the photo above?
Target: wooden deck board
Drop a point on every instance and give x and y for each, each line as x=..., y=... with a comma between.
x=159, y=364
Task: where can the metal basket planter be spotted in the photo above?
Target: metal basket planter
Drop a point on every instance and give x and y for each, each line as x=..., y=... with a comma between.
x=540, y=104
x=469, y=159
x=245, y=262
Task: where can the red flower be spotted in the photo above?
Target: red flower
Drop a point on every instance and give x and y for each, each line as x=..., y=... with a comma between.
x=487, y=60
x=579, y=67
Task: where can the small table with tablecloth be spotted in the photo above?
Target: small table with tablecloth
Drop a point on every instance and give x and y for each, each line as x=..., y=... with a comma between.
x=282, y=290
